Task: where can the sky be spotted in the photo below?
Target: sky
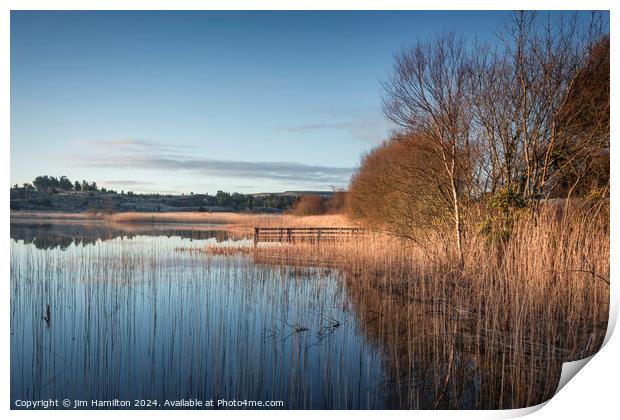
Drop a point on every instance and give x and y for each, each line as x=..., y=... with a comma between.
x=179, y=102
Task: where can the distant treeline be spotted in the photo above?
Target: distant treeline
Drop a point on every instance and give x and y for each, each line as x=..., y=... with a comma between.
x=51, y=192
x=51, y=184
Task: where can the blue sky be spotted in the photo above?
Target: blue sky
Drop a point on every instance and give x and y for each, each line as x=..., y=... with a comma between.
x=202, y=101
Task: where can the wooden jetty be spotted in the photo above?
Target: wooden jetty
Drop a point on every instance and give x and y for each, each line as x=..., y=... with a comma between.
x=305, y=234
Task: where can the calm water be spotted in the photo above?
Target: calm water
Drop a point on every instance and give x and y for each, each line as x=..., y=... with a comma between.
x=132, y=317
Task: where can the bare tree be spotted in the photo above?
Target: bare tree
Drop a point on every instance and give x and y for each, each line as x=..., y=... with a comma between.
x=525, y=120
x=428, y=94
x=518, y=97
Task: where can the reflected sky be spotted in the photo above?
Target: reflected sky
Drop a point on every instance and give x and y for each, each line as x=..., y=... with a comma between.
x=134, y=318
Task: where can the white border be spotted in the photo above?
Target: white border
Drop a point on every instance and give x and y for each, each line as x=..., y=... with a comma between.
x=594, y=394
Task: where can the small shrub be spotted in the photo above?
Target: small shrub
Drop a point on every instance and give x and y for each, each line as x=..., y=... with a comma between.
x=309, y=205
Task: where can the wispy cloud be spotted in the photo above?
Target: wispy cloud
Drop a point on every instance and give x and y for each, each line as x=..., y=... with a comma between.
x=133, y=146
x=369, y=130
x=149, y=155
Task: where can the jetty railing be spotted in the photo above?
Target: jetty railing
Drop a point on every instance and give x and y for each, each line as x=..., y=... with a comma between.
x=305, y=234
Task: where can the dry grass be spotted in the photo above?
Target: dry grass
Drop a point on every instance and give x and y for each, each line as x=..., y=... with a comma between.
x=219, y=250
x=492, y=333
x=239, y=219
x=52, y=215
x=242, y=219
x=496, y=329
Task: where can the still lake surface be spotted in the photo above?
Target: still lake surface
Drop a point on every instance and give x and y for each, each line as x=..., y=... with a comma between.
x=98, y=313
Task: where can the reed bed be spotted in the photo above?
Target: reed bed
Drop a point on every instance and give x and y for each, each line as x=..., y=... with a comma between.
x=492, y=333
x=219, y=218
x=240, y=219
x=218, y=250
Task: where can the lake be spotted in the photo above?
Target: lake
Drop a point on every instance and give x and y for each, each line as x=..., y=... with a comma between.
x=101, y=313
x=141, y=313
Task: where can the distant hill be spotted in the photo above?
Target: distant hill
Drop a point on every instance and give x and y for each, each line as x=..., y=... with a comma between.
x=323, y=194
x=45, y=198
x=52, y=193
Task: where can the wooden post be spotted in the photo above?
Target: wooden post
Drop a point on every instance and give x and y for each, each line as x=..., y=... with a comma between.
x=256, y=231
x=318, y=236
x=289, y=233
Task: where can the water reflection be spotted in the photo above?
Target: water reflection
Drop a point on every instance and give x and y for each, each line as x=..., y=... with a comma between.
x=47, y=235
x=99, y=313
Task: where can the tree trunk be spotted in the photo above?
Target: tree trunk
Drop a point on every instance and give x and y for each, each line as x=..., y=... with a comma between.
x=458, y=231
